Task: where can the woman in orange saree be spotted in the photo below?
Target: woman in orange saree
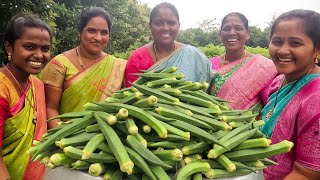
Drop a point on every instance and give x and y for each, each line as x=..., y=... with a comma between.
x=27, y=43
x=85, y=73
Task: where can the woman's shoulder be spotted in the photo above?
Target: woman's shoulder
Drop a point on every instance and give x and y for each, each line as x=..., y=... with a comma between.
x=215, y=62
x=141, y=50
x=60, y=58
x=191, y=48
x=117, y=60
x=6, y=87
x=312, y=88
x=264, y=63
x=3, y=79
x=60, y=61
x=194, y=50
x=36, y=80
x=215, y=59
x=262, y=59
x=276, y=82
x=140, y=54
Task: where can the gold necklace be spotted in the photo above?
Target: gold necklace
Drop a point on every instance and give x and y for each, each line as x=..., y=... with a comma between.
x=224, y=58
x=79, y=58
x=156, y=53
x=34, y=107
x=269, y=114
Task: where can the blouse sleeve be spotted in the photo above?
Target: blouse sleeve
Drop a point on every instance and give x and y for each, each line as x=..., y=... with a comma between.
x=4, y=109
x=215, y=62
x=132, y=67
x=308, y=132
x=54, y=74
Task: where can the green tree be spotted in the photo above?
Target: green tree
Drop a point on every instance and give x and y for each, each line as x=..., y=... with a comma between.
x=44, y=8
x=130, y=21
x=208, y=25
x=211, y=50
x=258, y=37
x=198, y=37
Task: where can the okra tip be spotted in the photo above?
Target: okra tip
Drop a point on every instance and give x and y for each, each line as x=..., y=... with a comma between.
x=127, y=167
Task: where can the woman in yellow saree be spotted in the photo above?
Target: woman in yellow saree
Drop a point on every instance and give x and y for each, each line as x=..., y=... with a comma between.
x=27, y=42
x=85, y=73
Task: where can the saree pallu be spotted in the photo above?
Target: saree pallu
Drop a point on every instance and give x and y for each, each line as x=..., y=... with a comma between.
x=93, y=84
x=296, y=117
x=244, y=83
x=19, y=132
x=189, y=60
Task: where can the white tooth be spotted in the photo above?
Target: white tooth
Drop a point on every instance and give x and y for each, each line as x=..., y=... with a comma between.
x=35, y=63
x=285, y=59
x=231, y=40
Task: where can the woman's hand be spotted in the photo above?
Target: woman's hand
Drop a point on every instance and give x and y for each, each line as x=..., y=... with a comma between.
x=301, y=173
x=53, y=97
x=4, y=174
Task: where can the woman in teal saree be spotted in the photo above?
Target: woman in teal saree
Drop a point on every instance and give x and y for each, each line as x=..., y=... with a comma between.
x=165, y=52
x=292, y=112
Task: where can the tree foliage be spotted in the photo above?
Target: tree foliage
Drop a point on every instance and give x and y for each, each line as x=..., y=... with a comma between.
x=130, y=25
x=198, y=37
x=44, y=8
x=211, y=50
x=208, y=33
x=258, y=37
x=130, y=21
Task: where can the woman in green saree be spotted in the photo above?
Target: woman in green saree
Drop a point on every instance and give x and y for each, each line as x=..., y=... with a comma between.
x=85, y=73
x=27, y=42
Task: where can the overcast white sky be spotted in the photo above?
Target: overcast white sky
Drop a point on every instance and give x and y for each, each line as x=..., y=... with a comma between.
x=258, y=12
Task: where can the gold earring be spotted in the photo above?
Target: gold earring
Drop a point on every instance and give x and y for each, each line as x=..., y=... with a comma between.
x=9, y=57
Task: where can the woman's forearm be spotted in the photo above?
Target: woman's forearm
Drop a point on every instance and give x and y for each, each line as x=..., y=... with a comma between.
x=4, y=174
x=301, y=173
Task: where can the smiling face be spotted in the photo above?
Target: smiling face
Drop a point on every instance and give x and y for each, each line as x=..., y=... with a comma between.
x=164, y=26
x=31, y=51
x=95, y=35
x=233, y=33
x=291, y=50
